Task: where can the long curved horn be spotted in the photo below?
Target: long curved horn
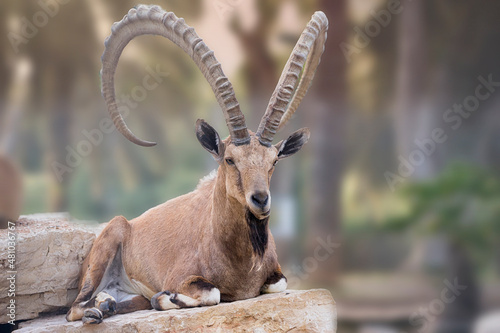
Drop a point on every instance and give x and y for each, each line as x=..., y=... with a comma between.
x=152, y=20
x=288, y=94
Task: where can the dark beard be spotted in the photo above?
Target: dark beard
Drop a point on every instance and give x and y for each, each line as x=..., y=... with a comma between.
x=257, y=233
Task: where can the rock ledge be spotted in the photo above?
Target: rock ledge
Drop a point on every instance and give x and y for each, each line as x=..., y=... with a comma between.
x=50, y=249
x=290, y=311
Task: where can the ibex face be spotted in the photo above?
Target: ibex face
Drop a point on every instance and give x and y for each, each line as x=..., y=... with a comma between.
x=247, y=169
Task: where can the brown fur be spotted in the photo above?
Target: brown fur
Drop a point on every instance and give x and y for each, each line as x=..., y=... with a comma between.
x=10, y=192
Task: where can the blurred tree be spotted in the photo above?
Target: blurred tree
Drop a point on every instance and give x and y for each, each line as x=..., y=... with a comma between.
x=62, y=99
x=260, y=69
x=461, y=205
x=5, y=57
x=328, y=112
x=413, y=115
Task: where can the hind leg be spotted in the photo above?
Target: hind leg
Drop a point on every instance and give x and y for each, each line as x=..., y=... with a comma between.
x=194, y=291
x=106, y=305
x=101, y=255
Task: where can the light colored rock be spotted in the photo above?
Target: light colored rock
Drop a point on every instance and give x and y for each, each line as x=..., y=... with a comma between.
x=489, y=322
x=290, y=311
x=49, y=252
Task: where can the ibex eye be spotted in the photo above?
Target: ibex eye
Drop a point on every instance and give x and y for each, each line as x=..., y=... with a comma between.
x=229, y=161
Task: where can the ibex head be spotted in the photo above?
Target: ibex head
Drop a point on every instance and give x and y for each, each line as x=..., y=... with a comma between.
x=246, y=159
x=247, y=169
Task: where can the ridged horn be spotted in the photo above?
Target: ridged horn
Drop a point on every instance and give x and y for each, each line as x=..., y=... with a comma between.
x=152, y=20
x=288, y=94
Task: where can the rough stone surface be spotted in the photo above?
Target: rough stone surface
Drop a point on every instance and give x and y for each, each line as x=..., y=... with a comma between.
x=290, y=311
x=49, y=252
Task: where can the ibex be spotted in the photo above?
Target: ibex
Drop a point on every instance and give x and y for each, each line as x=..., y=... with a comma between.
x=212, y=244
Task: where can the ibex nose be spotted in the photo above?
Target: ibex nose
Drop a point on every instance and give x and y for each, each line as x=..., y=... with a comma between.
x=260, y=199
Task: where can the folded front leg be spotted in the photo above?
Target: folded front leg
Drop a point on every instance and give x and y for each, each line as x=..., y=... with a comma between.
x=195, y=291
x=275, y=283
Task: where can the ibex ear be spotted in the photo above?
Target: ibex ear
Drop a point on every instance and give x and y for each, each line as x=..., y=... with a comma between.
x=209, y=139
x=293, y=144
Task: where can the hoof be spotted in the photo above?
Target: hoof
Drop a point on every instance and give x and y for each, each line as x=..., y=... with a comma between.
x=108, y=307
x=70, y=316
x=157, y=298
x=106, y=303
x=92, y=316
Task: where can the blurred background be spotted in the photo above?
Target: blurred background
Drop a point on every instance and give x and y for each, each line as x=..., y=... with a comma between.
x=394, y=205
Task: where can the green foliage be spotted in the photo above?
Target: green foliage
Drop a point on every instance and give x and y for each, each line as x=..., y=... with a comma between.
x=463, y=203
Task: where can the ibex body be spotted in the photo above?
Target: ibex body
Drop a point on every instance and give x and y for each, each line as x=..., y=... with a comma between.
x=214, y=243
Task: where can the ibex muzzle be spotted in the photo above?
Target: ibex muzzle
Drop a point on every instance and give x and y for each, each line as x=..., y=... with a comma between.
x=214, y=243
